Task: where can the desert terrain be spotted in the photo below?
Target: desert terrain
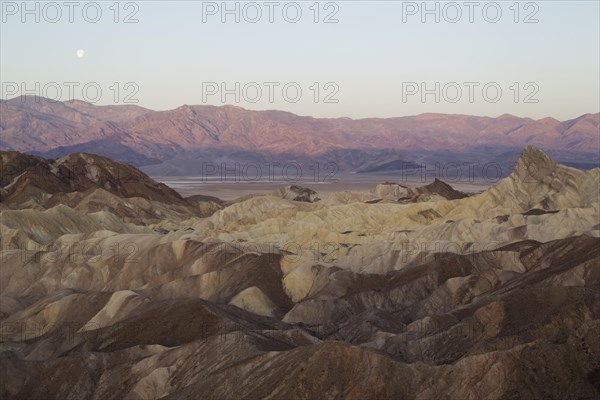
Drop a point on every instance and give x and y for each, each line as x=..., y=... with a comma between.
x=116, y=286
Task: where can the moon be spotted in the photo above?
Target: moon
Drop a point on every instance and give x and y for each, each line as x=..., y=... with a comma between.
x=80, y=53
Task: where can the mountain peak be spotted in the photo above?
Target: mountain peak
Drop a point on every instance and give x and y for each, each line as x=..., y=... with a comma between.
x=532, y=151
x=534, y=154
x=506, y=116
x=443, y=189
x=80, y=172
x=533, y=164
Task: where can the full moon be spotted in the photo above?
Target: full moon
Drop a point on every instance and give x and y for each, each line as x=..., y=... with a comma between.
x=80, y=53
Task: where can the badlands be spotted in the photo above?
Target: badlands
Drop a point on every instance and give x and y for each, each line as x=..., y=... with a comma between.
x=114, y=286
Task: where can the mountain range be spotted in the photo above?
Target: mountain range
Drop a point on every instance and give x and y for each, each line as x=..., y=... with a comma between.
x=168, y=139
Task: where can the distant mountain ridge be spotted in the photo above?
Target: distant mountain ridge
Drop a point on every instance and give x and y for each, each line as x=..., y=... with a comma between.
x=144, y=137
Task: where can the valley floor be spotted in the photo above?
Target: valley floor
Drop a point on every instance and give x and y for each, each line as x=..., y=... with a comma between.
x=236, y=188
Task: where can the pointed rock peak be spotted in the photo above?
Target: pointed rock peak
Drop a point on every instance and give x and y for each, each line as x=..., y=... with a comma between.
x=440, y=185
x=533, y=165
x=442, y=188
x=533, y=154
x=437, y=181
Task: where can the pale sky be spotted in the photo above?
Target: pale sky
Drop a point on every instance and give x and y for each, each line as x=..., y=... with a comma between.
x=374, y=61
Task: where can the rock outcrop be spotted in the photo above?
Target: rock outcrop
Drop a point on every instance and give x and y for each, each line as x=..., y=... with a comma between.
x=92, y=185
x=299, y=193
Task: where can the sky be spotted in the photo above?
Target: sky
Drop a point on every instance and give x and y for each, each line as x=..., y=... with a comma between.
x=356, y=59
